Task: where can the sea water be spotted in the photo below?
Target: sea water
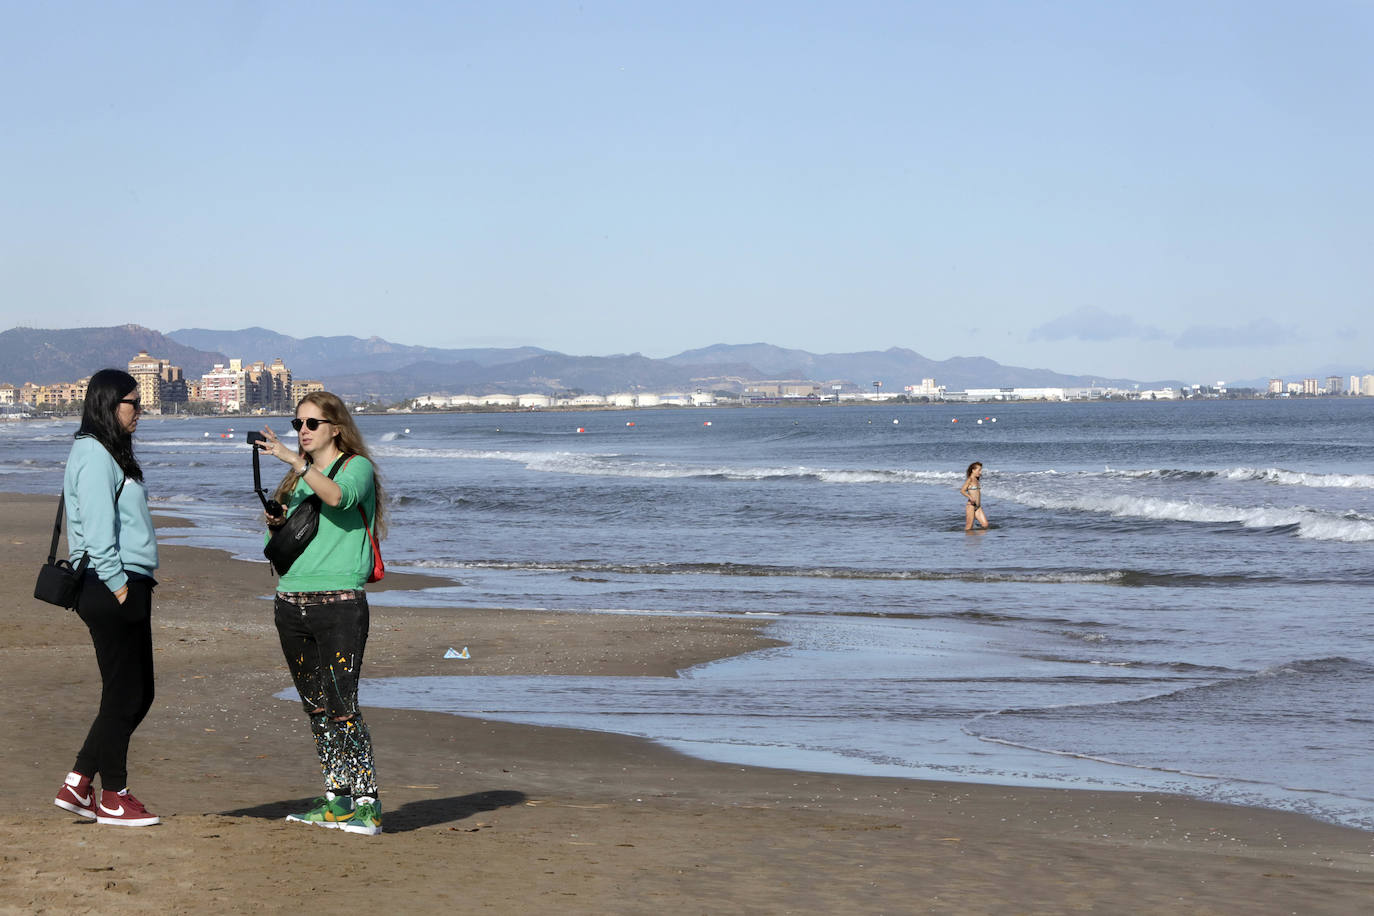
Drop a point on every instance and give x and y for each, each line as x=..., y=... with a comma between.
x=1173, y=596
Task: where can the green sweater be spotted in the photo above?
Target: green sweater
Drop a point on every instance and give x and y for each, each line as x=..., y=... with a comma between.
x=340, y=556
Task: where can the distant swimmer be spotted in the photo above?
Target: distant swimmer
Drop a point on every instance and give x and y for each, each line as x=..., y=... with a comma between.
x=972, y=491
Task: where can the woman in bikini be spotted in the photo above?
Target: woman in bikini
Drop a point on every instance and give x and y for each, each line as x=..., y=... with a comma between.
x=972, y=491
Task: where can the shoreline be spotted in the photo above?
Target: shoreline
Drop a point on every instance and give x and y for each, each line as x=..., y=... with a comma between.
x=902, y=401
x=554, y=819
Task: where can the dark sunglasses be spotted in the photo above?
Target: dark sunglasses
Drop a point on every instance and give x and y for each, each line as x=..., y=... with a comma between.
x=310, y=423
x=135, y=403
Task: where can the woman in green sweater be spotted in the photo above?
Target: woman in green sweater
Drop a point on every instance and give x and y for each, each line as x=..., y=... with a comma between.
x=108, y=522
x=321, y=609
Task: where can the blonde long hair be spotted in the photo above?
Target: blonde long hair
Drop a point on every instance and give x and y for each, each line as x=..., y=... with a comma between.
x=349, y=441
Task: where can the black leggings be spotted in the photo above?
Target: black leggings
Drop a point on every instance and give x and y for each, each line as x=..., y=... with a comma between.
x=123, y=638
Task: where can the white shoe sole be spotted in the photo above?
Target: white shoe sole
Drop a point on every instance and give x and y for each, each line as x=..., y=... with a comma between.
x=366, y=831
x=74, y=808
x=128, y=822
x=290, y=819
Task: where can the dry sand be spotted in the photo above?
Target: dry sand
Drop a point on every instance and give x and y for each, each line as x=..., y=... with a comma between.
x=489, y=817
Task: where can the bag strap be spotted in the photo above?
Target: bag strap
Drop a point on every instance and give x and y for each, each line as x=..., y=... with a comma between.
x=367, y=526
x=57, y=522
x=57, y=527
x=340, y=467
x=339, y=464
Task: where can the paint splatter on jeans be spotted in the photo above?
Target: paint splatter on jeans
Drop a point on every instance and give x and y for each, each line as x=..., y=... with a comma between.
x=323, y=643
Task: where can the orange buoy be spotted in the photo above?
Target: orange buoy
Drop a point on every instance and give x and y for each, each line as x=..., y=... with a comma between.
x=581, y=429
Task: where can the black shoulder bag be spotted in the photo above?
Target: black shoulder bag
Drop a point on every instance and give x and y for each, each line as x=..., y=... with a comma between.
x=290, y=540
x=59, y=582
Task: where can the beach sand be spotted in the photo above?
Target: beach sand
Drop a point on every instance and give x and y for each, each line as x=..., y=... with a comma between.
x=489, y=817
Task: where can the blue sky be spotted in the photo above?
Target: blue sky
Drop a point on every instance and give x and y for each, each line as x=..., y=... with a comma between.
x=1150, y=190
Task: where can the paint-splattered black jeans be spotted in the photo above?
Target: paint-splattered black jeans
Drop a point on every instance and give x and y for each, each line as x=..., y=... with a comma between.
x=323, y=635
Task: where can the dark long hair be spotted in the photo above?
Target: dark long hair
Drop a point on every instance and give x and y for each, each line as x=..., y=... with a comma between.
x=100, y=418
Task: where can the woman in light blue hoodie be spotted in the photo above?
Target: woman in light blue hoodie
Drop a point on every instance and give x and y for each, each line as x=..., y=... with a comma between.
x=108, y=521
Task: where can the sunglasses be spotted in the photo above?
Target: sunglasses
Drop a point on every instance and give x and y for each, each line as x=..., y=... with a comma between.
x=135, y=403
x=310, y=423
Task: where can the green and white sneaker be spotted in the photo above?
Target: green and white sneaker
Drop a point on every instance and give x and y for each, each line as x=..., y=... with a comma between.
x=328, y=810
x=367, y=817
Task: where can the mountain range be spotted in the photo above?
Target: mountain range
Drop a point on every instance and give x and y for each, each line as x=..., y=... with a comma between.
x=377, y=369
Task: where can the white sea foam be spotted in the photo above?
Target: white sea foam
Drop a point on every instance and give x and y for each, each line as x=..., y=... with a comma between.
x=593, y=464
x=1301, y=478
x=1308, y=523
x=1278, y=476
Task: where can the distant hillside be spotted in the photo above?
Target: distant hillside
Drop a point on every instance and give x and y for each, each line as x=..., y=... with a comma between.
x=548, y=373
x=320, y=357
x=378, y=369
x=895, y=366
x=45, y=356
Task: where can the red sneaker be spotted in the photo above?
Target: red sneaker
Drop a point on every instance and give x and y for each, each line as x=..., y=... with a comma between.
x=76, y=795
x=124, y=810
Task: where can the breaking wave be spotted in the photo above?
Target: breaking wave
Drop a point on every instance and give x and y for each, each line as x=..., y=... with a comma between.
x=1278, y=476
x=614, y=465
x=1300, y=521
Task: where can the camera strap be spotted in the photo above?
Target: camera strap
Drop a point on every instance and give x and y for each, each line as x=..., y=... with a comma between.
x=257, y=477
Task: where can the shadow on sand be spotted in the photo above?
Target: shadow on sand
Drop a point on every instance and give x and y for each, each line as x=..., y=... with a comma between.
x=414, y=815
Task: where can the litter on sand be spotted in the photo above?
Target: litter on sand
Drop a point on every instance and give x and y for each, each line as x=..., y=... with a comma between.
x=454, y=653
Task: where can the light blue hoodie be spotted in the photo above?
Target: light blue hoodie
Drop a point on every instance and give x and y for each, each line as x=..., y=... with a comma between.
x=119, y=537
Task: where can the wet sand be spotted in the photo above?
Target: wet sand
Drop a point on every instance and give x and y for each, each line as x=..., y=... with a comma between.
x=486, y=816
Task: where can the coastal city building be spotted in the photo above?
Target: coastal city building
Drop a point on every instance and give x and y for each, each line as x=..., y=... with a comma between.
x=268, y=386
x=271, y=387
x=303, y=387
x=790, y=388
x=226, y=387
x=160, y=384
x=162, y=388
x=927, y=389
x=259, y=386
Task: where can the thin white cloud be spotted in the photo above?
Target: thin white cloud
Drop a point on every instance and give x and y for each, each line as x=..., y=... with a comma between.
x=1094, y=324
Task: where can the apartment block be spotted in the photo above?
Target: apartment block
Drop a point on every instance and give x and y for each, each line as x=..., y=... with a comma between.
x=302, y=388
x=159, y=382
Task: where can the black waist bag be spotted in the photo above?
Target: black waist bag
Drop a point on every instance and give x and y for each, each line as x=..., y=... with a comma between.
x=290, y=540
x=59, y=582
